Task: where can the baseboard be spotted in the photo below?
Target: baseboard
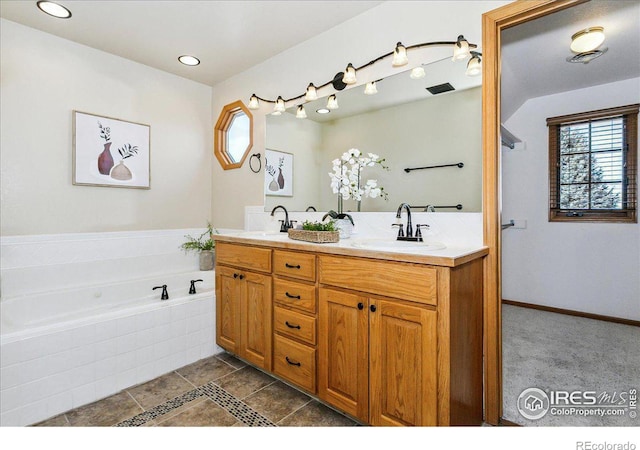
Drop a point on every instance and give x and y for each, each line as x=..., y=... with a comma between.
x=569, y=312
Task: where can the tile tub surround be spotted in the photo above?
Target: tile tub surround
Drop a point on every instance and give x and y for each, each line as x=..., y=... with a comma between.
x=41, y=376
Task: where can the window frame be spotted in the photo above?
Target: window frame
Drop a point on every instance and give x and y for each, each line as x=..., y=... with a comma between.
x=628, y=214
x=220, y=132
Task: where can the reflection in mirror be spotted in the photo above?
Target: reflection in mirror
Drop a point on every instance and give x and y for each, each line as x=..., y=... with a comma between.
x=405, y=124
x=238, y=136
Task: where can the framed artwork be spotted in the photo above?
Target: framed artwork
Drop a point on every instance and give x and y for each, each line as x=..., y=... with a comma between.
x=278, y=173
x=110, y=152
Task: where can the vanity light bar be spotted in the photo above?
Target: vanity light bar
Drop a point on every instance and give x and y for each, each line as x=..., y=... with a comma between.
x=461, y=50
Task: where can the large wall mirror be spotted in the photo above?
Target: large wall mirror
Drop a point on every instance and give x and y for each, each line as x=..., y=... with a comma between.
x=405, y=124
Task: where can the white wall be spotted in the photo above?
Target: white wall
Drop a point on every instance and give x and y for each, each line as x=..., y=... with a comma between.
x=358, y=41
x=587, y=267
x=445, y=129
x=43, y=79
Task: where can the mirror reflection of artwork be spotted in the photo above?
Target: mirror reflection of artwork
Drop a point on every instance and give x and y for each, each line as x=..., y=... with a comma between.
x=278, y=173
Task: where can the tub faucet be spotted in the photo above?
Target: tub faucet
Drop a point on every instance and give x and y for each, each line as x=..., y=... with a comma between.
x=408, y=235
x=165, y=295
x=285, y=223
x=192, y=289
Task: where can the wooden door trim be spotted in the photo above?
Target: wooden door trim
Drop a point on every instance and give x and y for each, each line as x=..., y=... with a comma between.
x=493, y=23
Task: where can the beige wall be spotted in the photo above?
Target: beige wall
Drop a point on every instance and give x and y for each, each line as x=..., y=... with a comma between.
x=43, y=79
x=317, y=60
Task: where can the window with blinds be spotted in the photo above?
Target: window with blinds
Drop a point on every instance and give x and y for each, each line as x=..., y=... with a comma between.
x=593, y=166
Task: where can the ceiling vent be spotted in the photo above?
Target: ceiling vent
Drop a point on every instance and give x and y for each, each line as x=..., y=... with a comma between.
x=440, y=88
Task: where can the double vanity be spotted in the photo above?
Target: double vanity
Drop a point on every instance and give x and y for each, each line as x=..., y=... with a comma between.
x=387, y=332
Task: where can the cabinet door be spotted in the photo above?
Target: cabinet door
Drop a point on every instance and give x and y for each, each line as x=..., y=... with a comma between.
x=402, y=364
x=256, y=319
x=228, y=294
x=343, y=352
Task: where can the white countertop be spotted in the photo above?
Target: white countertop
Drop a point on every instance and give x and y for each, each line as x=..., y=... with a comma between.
x=429, y=252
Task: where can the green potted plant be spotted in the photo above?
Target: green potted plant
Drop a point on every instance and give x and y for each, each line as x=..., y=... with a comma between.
x=317, y=232
x=203, y=244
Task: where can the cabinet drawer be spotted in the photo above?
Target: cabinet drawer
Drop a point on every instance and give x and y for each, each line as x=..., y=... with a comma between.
x=295, y=265
x=296, y=325
x=295, y=362
x=296, y=295
x=405, y=281
x=254, y=258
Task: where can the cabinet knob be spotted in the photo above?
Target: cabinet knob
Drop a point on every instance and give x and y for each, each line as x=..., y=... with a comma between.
x=372, y=308
x=360, y=306
x=241, y=277
x=235, y=275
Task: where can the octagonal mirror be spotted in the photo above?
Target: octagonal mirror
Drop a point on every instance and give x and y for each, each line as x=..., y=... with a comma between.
x=233, y=135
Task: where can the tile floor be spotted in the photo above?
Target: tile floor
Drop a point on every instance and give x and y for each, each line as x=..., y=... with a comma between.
x=220, y=391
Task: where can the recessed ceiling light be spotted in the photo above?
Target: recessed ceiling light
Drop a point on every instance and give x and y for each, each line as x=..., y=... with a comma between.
x=54, y=9
x=323, y=111
x=189, y=60
x=587, y=40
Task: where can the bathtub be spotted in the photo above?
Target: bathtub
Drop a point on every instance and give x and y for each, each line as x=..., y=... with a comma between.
x=66, y=348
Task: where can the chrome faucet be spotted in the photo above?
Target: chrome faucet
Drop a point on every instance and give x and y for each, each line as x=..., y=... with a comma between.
x=285, y=224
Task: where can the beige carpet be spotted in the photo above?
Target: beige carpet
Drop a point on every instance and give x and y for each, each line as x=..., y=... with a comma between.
x=555, y=352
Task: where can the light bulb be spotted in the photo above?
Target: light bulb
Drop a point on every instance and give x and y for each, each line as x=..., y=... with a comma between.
x=311, y=93
x=416, y=73
x=332, y=102
x=189, y=60
x=300, y=113
x=473, y=66
x=279, y=106
x=254, y=103
x=349, y=75
x=400, y=56
x=460, y=49
x=370, y=88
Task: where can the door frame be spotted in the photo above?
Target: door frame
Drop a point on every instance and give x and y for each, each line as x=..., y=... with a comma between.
x=493, y=22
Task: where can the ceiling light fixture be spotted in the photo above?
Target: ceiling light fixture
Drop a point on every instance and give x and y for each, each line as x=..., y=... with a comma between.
x=587, y=40
x=417, y=73
x=461, y=50
x=323, y=111
x=189, y=60
x=54, y=9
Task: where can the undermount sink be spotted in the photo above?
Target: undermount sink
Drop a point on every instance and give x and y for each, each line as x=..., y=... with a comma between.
x=399, y=245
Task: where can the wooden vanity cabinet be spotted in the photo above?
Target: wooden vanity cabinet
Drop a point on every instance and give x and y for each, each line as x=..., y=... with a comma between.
x=244, y=302
x=411, y=359
x=387, y=342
